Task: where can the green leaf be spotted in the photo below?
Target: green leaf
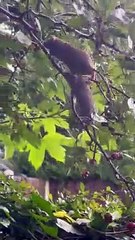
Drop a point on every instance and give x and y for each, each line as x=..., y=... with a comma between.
x=61, y=123
x=112, y=144
x=36, y=155
x=53, y=144
x=31, y=137
x=116, y=72
x=42, y=204
x=82, y=187
x=116, y=215
x=83, y=138
x=40, y=218
x=9, y=145
x=28, y=135
x=61, y=90
x=9, y=151
x=99, y=102
x=51, y=231
x=49, y=125
x=98, y=222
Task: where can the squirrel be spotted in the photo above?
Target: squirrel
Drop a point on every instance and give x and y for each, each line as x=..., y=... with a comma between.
x=82, y=70
x=77, y=60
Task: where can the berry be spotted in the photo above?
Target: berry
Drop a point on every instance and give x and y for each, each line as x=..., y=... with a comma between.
x=92, y=161
x=116, y=156
x=108, y=218
x=85, y=173
x=131, y=226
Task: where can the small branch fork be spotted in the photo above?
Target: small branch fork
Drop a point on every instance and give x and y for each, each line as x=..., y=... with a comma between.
x=39, y=42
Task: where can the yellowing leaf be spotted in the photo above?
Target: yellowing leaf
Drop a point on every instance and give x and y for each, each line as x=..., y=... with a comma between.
x=63, y=214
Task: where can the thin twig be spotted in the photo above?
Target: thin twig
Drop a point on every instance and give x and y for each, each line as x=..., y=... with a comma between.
x=120, y=91
x=116, y=171
x=95, y=147
x=102, y=92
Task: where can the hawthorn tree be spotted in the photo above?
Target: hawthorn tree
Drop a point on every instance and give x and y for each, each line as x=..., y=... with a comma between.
x=37, y=114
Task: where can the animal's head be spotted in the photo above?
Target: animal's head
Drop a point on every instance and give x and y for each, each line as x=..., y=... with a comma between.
x=50, y=43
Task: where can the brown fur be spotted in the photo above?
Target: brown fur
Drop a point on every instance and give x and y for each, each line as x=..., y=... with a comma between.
x=79, y=64
x=77, y=60
x=81, y=91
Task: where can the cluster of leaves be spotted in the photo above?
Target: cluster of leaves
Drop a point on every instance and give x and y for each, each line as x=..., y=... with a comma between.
x=100, y=215
x=35, y=110
x=24, y=214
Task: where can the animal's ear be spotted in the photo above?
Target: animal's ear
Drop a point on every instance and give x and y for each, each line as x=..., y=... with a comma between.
x=54, y=37
x=50, y=43
x=51, y=38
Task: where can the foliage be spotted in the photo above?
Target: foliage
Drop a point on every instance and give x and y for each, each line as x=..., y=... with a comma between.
x=98, y=214
x=102, y=202
x=24, y=214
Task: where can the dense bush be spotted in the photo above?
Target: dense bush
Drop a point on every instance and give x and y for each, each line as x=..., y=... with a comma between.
x=24, y=214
